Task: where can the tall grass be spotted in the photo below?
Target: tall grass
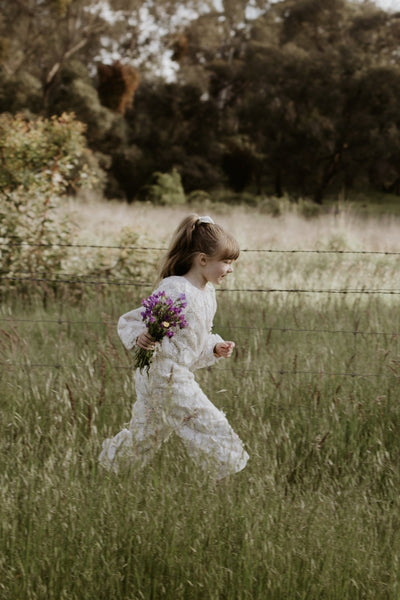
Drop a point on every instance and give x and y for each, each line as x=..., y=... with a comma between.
x=316, y=513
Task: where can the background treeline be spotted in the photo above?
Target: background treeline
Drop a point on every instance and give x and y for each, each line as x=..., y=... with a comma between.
x=298, y=97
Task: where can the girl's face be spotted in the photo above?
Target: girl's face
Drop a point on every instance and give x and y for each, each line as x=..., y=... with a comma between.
x=215, y=270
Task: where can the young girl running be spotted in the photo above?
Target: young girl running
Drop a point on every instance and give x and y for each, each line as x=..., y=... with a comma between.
x=168, y=397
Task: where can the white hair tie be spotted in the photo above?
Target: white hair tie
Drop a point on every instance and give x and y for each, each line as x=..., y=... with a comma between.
x=206, y=219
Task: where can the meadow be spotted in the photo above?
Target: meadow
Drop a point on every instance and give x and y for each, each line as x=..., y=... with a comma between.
x=312, y=389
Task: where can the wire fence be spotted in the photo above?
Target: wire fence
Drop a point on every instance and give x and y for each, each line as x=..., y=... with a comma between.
x=71, y=278
x=105, y=322
x=163, y=249
x=313, y=372
x=122, y=282
x=75, y=279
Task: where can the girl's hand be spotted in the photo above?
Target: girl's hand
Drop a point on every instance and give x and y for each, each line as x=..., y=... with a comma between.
x=224, y=349
x=145, y=341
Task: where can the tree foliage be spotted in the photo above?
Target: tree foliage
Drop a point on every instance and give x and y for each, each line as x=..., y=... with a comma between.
x=297, y=96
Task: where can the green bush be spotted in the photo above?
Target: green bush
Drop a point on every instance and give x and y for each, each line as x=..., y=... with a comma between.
x=20, y=92
x=199, y=196
x=165, y=189
x=42, y=159
x=271, y=205
x=308, y=209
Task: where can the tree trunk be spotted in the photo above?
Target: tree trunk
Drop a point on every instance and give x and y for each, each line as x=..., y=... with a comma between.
x=278, y=183
x=329, y=173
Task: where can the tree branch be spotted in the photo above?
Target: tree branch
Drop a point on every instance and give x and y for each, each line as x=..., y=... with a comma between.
x=57, y=66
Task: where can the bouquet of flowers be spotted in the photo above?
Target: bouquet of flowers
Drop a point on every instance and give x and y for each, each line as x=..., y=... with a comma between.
x=162, y=315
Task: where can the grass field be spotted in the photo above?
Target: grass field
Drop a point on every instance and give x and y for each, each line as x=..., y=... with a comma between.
x=313, y=391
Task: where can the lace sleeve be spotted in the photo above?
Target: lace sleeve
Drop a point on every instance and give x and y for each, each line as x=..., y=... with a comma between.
x=207, y=357
x=130, y=326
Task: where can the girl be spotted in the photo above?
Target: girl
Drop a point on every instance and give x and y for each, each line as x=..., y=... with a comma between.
x=168, y=398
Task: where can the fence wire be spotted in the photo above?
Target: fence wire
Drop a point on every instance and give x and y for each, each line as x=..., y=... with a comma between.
x=125, y=283
x=315, y=373
x=163, y=249
x=68, y=278
x=105, y=322
x=59, y=366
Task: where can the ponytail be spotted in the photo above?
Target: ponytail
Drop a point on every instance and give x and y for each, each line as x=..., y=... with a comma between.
x=194, y=236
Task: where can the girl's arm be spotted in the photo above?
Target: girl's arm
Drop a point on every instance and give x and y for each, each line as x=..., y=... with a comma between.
x=224, y=349
x=208, y=356
x=130, y=327
x=214, y=348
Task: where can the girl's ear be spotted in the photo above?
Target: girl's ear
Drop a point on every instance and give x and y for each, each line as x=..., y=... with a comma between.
x=202, y=258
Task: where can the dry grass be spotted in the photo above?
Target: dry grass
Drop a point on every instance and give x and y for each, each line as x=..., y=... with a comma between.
x=102, y=220
x=316, y=512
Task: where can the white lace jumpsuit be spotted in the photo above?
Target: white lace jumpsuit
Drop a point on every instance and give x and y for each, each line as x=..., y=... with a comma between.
x=168, y=397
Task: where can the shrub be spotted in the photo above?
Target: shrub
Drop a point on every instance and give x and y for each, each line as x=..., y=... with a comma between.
x=308, y=209
x=199, y=196
x=42, y=159
x=165, y=189
x=21, y=91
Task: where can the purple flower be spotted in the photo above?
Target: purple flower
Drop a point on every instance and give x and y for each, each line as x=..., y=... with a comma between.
x=161, y=315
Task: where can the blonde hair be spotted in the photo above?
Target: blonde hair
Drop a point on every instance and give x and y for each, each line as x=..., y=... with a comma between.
x=192, y=237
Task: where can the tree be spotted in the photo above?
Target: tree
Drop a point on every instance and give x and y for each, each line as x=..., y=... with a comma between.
x=299, y=97
x=41, y=35
x=174, y=126
x=296, y=94
x=377, y=136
